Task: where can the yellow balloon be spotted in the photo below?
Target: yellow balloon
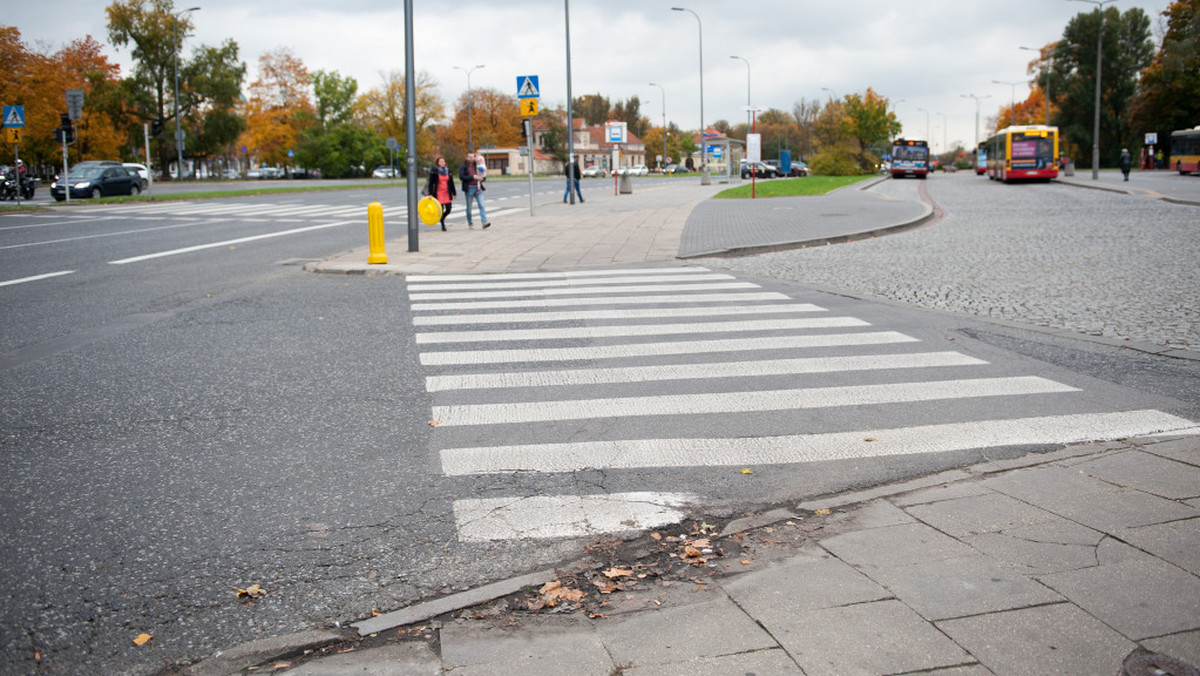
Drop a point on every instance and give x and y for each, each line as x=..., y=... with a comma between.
x=429, y=210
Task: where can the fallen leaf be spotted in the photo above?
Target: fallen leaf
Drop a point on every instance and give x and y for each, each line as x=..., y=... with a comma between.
x=701, y=544
x=435, y=423
x=618, y=572
x=252, y=592
x=283, y=665
x=656, y=536
x=691, y=552
x=747, y=470
x=142, y=639
x=375, y=612
x=745, y=562
x=870, y=439
x=823, y=512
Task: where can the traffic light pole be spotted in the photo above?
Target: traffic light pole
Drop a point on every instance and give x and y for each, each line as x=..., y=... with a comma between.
x=149, y=167
x=65, y=184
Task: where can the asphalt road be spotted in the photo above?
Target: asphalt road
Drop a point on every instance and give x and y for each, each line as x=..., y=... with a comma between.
x=186, y=412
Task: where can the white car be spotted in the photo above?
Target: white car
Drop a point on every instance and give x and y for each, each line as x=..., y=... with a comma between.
x=142, y=172
x=594, y=171
x=383, y=172
x=639, y=170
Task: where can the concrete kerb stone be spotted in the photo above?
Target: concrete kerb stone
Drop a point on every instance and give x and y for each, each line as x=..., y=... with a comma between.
x=246, y=655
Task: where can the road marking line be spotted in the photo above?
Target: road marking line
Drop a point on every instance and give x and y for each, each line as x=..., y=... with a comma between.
x=483, y=520
x=594, y=352
x=106, y=234
x=570, y=274
x=742, y=402
x=627, y=313
x=571, y=302
x=622, y=331
x=806, y=448
x=229, y=242
x=701, y=371
x=703, y=286
x=552, y=283
x=36, y=277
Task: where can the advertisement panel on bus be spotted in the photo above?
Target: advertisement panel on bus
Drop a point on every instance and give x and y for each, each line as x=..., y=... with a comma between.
x=981, y=158
x=910, y=158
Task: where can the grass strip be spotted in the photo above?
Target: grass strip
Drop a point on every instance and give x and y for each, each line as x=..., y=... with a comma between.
x=792, y=187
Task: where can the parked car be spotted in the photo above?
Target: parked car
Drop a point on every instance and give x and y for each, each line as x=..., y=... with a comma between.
x=761, y=170
x=143, y=173
x=675, y=169
x=384, y=172
x=230, y=174
x=99, y=178
x=595, y=171
x=639, y=170
x=799, y=168
x=254, y=173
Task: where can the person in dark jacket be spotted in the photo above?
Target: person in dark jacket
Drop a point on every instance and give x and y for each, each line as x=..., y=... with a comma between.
x=1126, y=162
x=441, y=186
x=472, y=181
x=573, y=175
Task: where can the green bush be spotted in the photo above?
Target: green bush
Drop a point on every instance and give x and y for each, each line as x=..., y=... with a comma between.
x=834, y=163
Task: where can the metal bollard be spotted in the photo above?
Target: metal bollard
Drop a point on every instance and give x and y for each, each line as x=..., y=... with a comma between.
x=375, y=233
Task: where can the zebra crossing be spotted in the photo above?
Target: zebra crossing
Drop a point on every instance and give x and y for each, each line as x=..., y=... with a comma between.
x=548, y=374
x=287, y=210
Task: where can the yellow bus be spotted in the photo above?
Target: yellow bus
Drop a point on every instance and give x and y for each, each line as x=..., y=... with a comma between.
x=1023, y=152
x=1185, y=150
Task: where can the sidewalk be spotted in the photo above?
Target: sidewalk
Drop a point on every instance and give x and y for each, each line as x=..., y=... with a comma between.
x=1161, y=184
x=1078, y=561
x=660, y=221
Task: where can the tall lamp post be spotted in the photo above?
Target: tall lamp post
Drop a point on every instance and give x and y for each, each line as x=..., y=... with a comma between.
x=749, y=121
x=1012, y=102
x=470, y=106
x=704, y=180
x=1099, y=63
x=664, y=127
x=175, y=60
x=977, y=100
x=922, y=110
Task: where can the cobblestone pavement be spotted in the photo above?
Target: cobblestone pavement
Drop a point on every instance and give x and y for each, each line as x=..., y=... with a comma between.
x=1096, y=262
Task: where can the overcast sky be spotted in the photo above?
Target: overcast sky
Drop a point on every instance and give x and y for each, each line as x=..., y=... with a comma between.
x=922, y=55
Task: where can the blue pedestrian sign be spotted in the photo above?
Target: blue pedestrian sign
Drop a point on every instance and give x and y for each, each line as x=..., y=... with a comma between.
x=527, y=87
x=14, y=116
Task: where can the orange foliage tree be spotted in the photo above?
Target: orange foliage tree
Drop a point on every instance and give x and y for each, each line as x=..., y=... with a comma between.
x=279, y=107
x=382, y=110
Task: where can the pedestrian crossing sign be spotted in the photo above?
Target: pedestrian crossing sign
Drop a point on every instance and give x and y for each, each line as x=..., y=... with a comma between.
x=14, y=116
x=529, y=106
x=12, y=134
x=527, y=87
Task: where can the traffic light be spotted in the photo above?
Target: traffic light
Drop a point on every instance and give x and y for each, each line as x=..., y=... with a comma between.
x=155, y=127
x=66, y=131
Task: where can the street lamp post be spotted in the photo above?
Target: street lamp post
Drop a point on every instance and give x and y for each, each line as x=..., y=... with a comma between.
x=470, y=106
x=175, y=61
x=1012, y=105
x=1046, y=93
x=704, y=180
x=1099, y=63
x=664, y=127
x=749, y=118
x=977, y=100
x=922, y=110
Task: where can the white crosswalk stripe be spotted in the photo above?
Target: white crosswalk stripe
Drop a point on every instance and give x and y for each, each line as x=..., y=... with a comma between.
x=520, y=359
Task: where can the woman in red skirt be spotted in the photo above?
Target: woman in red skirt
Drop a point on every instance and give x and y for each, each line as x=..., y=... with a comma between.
x=441, y=186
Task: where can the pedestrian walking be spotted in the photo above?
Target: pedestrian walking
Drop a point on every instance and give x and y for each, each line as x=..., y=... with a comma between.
x=573, y=175
x=472, y=180
x=1126, y=162
x=441, y=187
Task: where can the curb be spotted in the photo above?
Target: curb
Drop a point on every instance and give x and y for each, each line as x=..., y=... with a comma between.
x=253, y=653
x=1121, y=191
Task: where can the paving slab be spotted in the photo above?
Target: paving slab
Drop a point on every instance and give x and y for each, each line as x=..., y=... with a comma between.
x=960, y=587
x=773, y=661
x=874, y=514
x=882, y=637
x=400, y=659
x=1148, y=473
x=806, y=582
x=895, y=546
x=1140, y=598
x=1046, y=548
x=977, y=514
x=551, y=646
x=1183, y=449
x=1177, y=542
x=951, y=491
x=683, y=633
x=1054, y=639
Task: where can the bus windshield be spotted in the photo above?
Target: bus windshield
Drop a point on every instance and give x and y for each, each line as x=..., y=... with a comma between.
x=907, y=153
x=1035, y=151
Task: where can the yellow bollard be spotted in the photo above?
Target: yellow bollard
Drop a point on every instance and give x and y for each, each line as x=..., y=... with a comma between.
x=375, y=233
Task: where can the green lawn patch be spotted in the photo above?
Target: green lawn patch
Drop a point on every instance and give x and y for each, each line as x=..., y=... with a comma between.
x=791, y=187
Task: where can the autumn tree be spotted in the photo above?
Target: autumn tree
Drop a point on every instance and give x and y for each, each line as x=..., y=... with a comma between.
x=1169, y=85
x=279, y=107
x=593, y=108
x=335, y=144
x=382, y=110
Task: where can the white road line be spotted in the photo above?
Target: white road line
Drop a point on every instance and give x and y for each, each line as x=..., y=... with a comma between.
x=417, y=286
x=626, y=313
x=229, y=242
x=657, y=349
x=701, y=371
x=569, y=274
x=743, y=402
x=103, y=234
x=674, y=299
x=804, y=448
x=482, y=520
x=36, y=277
x=701, y=286
x=626, y=330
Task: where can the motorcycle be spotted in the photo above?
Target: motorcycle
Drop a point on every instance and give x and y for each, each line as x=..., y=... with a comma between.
x=26, y=186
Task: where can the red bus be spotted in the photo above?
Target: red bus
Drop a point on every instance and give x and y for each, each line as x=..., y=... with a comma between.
x=910, y=158
x=1027, y=152
x=1185, y=150
x=981, y=158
